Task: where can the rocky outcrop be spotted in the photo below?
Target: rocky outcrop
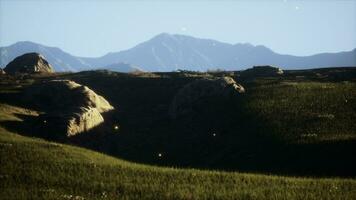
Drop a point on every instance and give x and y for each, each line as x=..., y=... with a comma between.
x=2, y=72
x=192, y=93
x=259, y=71
x=66, y=95
x=70, y=108
x=29, y=63
x=84, y=120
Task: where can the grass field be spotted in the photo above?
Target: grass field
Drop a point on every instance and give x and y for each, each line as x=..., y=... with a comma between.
x=295, y=136
x=36, y=169
x=306, y=111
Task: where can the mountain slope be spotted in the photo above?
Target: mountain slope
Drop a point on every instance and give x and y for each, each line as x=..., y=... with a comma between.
x=167, y=52
x=60, y=60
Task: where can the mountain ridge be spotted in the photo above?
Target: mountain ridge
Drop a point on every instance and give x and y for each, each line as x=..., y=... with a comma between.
x=169, y=52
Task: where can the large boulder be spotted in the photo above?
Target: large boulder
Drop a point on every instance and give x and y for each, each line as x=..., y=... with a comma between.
x=198, y=90
x=260, y=71
x=29, y=63
x=70, y=108
x=65, y=95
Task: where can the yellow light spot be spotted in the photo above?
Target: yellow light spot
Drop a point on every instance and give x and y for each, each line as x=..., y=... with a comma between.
x=160, y=155
x=116, y=127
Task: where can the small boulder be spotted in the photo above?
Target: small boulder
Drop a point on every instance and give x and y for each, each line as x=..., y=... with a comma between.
x=122, y=67
x=260, y=71
x=29, y=63
x=201, y=89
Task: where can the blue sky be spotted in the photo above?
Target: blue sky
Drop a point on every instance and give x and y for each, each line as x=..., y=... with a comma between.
x=94, y=27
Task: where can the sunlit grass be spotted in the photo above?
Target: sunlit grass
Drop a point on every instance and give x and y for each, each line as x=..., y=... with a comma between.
x=302, y=110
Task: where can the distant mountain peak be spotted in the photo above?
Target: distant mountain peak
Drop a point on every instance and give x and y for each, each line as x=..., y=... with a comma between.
x=162, y=36
x=25, y=43
x=165, y=36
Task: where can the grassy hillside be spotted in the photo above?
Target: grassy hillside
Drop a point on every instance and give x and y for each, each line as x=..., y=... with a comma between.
x=297, y=124
x=36, y=169
x=292, y=127
x=305, y=111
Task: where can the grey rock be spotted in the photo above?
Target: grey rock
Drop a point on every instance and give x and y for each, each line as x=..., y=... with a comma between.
x=263, y=70
x=70, y=108
x=29, y=63
x=201, y=89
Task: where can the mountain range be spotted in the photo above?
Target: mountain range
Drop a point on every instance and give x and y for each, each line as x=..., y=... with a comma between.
x=169, y=52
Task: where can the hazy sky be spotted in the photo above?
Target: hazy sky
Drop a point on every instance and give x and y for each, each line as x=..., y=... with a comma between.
x=94, y=28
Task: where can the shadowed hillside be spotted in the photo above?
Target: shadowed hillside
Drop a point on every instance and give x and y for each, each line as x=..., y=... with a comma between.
x=296, y=124
x=36, y=169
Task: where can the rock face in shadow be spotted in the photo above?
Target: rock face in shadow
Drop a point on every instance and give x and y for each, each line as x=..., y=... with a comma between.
x=199, y=90
x=70, y=108
x=29, y=63
x=2, y=72
x=84, y=120
x=261, y=71
x=70, y=123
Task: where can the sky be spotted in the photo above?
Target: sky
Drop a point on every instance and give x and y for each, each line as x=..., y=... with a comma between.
x=93, y=28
